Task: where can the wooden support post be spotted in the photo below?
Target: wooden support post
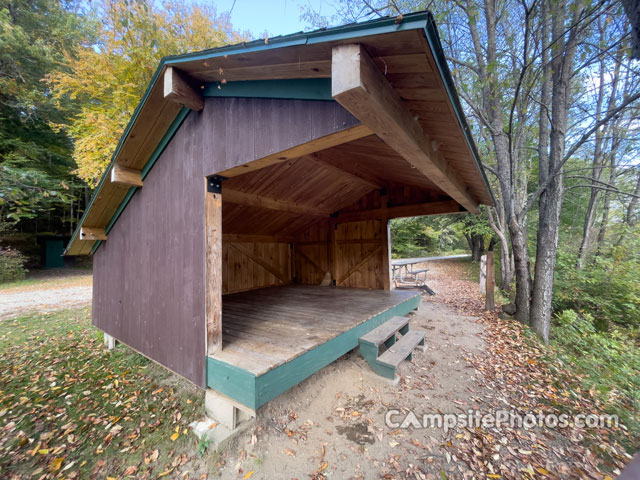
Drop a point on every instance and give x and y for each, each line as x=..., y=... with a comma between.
x=179, y=88
x=386, y=255
x=491, y=282
x=92, y=233
x=126, y=176
x=359, y=86
x=213, y=264
x=386, y=243
x=333, y=252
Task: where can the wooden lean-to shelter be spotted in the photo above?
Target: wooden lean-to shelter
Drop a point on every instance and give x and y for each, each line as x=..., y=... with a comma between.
x=240, y=235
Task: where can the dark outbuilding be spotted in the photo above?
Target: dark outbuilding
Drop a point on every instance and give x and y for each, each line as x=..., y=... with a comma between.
x=240, y=235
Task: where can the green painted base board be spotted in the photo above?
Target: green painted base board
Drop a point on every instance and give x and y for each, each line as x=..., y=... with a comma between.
x=254, y=391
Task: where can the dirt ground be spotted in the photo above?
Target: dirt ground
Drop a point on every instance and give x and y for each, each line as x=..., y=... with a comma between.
x=334, y=422
x=332, y=425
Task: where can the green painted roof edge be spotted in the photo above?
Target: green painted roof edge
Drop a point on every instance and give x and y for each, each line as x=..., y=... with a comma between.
x=373, y=27
x=413, y=21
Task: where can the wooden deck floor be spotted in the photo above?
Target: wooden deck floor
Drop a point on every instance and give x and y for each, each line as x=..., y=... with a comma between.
x=265, y=328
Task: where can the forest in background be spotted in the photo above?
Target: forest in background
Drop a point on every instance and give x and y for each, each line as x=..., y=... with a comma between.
x=71, y=75
x=549, y=88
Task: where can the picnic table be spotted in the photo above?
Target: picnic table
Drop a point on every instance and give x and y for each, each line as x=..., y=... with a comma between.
x=404, y=271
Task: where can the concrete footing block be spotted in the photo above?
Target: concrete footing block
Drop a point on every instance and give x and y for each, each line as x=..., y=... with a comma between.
x=217, y=435
x=109, y=341
x=226, y=418
x=226, y=411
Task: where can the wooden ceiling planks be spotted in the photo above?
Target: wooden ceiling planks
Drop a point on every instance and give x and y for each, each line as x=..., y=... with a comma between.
x=305, y=182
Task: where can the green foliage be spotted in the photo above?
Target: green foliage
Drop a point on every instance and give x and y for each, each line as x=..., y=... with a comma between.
x=109, y=76
x=203, y=445
x=608, y=288
x=606, y=363
x=11, y=265
x=423, y=236
x=35, y=159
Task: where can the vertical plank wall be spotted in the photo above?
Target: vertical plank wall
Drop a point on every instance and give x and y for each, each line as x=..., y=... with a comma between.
x=149, y=275
x=361, y=251
x=246, y=266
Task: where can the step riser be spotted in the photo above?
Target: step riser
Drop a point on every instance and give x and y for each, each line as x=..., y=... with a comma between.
x=371, y=352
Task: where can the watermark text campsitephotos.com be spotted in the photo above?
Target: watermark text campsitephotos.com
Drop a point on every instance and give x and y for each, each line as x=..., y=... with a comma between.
x=497, y=419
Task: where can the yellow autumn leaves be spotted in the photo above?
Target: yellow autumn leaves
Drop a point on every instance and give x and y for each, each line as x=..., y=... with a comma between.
x=109, y=76
x=176, y=433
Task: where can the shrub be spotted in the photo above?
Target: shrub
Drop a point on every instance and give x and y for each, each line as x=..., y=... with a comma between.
x=608, y=287
x=606, y=363
x=11, y=265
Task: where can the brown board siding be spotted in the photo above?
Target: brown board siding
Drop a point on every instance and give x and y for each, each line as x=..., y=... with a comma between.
x=149, y=274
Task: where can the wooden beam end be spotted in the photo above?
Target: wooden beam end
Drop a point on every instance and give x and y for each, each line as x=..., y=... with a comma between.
x=92, y=233
x=126, y=176
x=179, y=88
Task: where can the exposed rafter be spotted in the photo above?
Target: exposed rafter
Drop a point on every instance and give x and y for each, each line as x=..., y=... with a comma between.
x=360, y=87
x=126, y=176
x=179, y=88
x=251, y=200
x=338, y=138
x=92, y=233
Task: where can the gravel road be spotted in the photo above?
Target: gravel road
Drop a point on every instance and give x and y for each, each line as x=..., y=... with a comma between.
x=18, y=303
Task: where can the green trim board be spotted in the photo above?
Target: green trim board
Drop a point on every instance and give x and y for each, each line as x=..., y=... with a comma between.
x=254, y=391
x=293, y=89
x=171, y=131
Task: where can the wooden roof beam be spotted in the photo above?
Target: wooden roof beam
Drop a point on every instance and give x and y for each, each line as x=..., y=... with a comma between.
x=318, y=159
x=360, y=87
x=257, y=201
x=178, y=87
x=92, y=233
x=411, y=210
x=126, y=176
x=315, y=145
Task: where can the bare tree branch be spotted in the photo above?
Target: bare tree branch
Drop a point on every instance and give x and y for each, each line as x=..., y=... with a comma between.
x=612, y=113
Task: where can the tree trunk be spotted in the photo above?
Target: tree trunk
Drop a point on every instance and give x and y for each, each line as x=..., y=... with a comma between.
x=598, y=156
x=476, y=244
x=506, y=256
x=550, y=201
x=522, y=270
x=630, y=217
x=602, y=231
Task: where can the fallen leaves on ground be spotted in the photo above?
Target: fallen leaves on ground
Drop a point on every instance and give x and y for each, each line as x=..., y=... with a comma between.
x=70, y=408
x=516, y=376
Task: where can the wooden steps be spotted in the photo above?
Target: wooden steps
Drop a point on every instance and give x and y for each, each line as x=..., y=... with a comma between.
x=379, y=335
x=394, y=334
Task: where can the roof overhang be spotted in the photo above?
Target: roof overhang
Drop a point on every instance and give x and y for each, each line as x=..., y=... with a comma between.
x=258, y=68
